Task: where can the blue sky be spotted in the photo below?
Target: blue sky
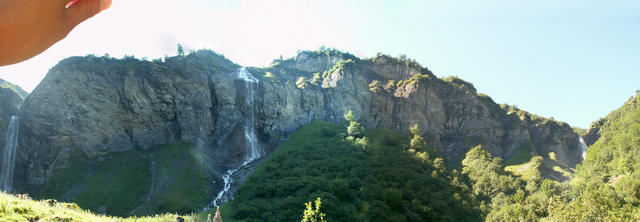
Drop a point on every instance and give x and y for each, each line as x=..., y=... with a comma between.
x=571, y=60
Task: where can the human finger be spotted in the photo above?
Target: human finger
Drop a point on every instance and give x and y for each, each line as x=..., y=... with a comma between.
x=78, y=11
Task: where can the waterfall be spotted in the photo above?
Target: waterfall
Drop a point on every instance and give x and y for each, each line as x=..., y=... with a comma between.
x=9, y=155
x=227, y=186
x=253, y=150
x=252, y=147
x=583, y=148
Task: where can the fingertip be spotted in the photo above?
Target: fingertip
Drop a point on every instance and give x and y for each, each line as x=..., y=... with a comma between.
x=82, y=10
x=105, y=4
x=102, y=4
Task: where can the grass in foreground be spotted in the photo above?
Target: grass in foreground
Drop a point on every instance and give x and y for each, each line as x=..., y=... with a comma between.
x=19, y=208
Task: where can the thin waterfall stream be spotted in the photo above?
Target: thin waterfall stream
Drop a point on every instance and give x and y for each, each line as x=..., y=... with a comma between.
x=583, y=148
x=252, y=147
x=9, y=155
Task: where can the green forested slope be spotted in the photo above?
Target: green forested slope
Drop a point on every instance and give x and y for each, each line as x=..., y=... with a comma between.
x=380, y=175
x=387, y=180
x=617, y=151
x=392, y=181
x=607, y=185
x=172, y=178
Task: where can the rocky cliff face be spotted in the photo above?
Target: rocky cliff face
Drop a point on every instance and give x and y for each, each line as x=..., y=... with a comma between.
x=395, y=93
x=96, y=106
x=593, y=133
x=11, y=97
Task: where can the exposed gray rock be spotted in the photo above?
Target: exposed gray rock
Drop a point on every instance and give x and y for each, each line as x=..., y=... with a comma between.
x=11, y=97
x=10, y=101
x=593, y=133
x=99, y=105
x=449, y=111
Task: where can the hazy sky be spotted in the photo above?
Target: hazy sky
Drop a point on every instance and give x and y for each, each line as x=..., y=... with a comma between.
x=571, y=60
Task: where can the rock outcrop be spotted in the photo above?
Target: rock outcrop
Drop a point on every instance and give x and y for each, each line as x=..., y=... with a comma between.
x=593, y=133
x=100, y=105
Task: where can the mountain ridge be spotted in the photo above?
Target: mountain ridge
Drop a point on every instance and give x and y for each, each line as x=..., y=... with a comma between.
x=96, y=106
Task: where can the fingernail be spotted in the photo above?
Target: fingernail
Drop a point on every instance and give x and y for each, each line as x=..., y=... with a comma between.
x=71, y=3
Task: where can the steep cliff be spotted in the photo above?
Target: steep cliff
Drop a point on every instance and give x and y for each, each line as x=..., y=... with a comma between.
x=88, y=108
x=386, y=91
x=11, y=96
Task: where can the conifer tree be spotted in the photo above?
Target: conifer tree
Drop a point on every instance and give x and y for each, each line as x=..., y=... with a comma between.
x=180, y=50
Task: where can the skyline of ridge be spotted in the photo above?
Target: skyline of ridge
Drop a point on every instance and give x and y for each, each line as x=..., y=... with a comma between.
x=574, y=61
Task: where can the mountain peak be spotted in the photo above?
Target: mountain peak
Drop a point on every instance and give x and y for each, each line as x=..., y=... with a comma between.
x=397, y=68
x=314, y=61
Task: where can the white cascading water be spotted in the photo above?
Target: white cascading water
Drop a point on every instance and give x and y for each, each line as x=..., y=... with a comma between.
x=252, y=148
x=9, y=155
x=583, y=148
x=227, y=185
